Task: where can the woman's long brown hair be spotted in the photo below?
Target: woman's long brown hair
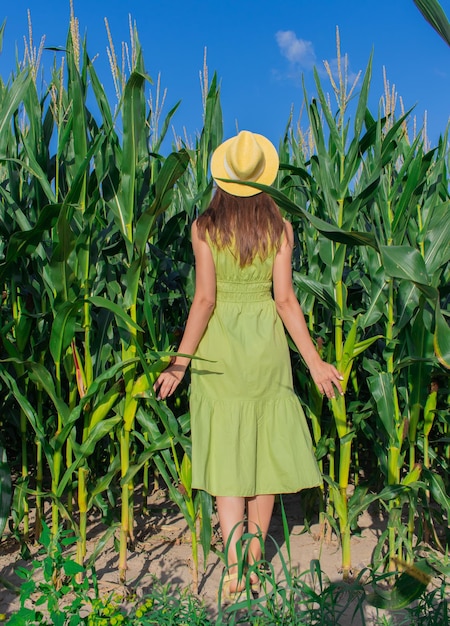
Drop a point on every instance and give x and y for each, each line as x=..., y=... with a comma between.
x=251, y=225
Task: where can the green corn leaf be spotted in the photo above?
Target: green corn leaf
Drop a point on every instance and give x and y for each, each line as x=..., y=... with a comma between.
x=64, y=137
x=41, y=376
x=411, y=584
x=360, y=502
x=23, y=329
x=160, y=442
x=360, y=346
x=211, y=136
x=429, y=412
x=347, y=352
x=353, y=206
x=35, y=170
x=84, y=451
x=204, y=504
x=132, y=280
x=437, y=489
x=106, y=403
x=329, y=117
x=316, y=289
x=31, y=415
x=63, y=329
x=363, y=98
x=122, y=318
x=404, y=262
x=23, y=243
x=404, y=186
x=12, y=99
x=2, y=30
x=5, y=490
x=175, y=494
x=436, y=238
x=392, y=138
x=100, y=97
x=328, y=230
x=77, y=95
x=165, y=127
x=68, y=427
x=173, y=167
x=123, y=206
x=60, y=270
x=339, y=502
x=101, y=544
x=339, y=408
x=381, y=388
x=441, y=567
x=96, y=433
x=168, y=419
x=186, y=474
x=103, y=483
x=79, y=179
x=101, y=408
x=435, y=15
x=442, y=338
x=393, y=492
x=108, y=375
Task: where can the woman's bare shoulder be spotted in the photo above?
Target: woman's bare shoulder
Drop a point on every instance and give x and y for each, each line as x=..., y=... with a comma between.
x=288, y=233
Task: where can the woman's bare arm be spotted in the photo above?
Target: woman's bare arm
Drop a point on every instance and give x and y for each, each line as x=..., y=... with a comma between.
x=324, y=374
x=199, y=314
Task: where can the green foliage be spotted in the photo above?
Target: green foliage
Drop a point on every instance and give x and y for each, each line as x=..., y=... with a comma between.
x=59, y=591
x=56, y=590
x=97, y=272
x=58, y=594
x=435, y=15
x=5, y=490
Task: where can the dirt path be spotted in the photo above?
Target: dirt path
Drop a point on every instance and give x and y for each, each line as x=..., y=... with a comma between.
x=163, y=550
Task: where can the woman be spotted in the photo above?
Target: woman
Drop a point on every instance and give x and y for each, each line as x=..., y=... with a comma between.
x=250, y=439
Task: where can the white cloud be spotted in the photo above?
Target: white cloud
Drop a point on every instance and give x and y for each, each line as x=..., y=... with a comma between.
x=297, y=51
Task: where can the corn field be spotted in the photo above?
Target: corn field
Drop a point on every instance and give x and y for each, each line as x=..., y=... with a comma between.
x=97, y=276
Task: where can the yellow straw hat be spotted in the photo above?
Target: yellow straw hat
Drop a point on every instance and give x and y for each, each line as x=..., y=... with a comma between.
x=247, y=157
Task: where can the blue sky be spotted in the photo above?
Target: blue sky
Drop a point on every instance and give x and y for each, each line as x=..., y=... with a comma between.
x=259, y=49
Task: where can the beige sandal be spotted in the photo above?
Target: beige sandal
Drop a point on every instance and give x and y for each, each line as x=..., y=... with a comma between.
x=255, y=585
x=227, y=594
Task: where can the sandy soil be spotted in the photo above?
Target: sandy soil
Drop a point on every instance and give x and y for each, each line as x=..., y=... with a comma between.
x=163, y=550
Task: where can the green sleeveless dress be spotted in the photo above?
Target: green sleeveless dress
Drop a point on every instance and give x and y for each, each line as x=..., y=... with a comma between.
x=249, y=432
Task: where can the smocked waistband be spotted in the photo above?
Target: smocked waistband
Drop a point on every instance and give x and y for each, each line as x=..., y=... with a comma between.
x=230, y=291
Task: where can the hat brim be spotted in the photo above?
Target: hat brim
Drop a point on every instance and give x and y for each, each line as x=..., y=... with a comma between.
x=267, y=176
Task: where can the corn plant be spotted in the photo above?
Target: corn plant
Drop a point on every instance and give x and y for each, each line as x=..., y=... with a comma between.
x=326, y=193
x=64, y=238
x=97, y=274
x=335, y=190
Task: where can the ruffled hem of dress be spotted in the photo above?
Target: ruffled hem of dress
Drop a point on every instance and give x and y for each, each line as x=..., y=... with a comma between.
x=252, y=447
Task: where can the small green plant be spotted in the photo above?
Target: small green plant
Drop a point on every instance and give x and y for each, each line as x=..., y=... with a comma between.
x=51, y=584
x=163, y=606
x=417, y=593
x=57, y=591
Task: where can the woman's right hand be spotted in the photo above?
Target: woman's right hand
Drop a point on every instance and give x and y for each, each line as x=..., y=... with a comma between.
x=327, y=378
x=168, y=380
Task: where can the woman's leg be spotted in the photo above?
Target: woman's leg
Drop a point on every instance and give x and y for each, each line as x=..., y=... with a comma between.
x=231, y=512
x=259, y=513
